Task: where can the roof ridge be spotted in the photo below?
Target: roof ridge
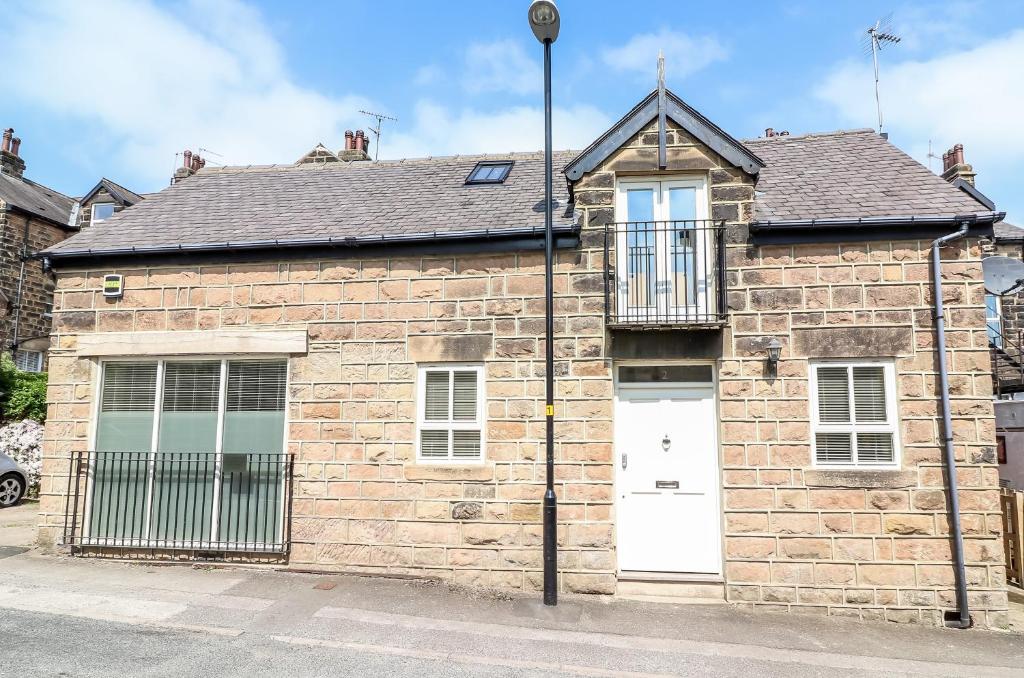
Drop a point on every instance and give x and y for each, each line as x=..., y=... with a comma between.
x=810, y=135
x=511, y=155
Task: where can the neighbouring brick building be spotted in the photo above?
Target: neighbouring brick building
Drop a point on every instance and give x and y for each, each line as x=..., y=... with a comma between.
x=32, y=218
x=339, y=363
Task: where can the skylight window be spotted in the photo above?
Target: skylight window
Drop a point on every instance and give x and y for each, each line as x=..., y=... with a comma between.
x=490, y=172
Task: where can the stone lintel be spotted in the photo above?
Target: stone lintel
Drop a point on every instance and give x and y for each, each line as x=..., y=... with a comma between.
x=241, y=342
x=852, y=342
x=441, y=348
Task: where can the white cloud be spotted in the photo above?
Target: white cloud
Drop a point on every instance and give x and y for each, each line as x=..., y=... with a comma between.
x=211, y=74
x=501, y=66
x=684, y=54
x=438, y=130
x=428, y=75
x=973, y=96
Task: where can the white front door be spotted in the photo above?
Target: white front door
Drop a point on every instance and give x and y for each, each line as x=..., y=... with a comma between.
x=668, y=517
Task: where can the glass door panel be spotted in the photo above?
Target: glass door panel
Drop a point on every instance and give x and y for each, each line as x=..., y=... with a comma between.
x=185, y=462
x=251, y=486
x=120, y=466
x=641, y=248
x=682, y=247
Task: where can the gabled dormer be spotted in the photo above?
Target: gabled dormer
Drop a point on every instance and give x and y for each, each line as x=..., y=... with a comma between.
x=662, y=188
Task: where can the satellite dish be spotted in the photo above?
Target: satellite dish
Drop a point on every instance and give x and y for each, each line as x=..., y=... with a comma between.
x=1002, y=274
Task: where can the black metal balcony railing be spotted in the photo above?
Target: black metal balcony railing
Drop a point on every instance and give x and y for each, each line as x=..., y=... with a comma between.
x=665, y=273
x=1007, y=356
x=197, y=501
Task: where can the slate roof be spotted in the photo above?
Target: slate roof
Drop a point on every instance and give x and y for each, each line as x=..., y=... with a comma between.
x=840, y=175
x=847, y=175
x=36, y=199
x=222, y=206
x=1008, y=232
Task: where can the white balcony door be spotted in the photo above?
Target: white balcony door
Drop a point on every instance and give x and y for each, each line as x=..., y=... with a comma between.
x=661, y=249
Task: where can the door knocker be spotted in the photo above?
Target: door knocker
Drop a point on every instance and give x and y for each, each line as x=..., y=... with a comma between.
x=666, y=443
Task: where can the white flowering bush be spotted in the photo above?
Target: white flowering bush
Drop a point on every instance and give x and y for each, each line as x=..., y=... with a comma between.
x=23, y=442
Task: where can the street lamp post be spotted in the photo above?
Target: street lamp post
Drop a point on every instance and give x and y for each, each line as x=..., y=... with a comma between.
x=544, y=21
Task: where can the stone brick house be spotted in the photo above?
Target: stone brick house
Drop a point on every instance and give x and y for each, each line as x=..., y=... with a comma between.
x=339, y=364
x=32, y=218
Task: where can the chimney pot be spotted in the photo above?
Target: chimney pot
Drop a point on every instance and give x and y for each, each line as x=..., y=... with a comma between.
x=954, y=167
x=769, y=132
x=8, y=133
x=202, y=163
x=958, y=153
x=187, y=156
x=349, y=140
x=15, y=145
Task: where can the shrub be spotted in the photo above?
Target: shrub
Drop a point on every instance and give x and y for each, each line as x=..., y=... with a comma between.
x=22, y=394
x=23, y=441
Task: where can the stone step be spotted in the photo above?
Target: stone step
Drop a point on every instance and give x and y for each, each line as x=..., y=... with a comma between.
x=663, y=590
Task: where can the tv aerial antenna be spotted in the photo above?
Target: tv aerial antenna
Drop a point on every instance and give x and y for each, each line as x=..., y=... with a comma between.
x=878, y=35
x=376, y=130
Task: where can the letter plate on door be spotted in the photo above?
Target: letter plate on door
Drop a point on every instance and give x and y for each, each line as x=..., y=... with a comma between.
x=666, y=484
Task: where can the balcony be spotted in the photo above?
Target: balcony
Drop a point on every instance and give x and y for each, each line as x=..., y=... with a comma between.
x=662, y=274
x=184, y=501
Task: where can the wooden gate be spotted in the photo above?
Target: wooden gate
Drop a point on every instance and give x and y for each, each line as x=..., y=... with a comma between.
x=1012, y=504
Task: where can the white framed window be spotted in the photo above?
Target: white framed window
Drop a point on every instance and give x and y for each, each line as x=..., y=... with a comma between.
x=102, y=211
x=854, y=420
x=28, y=361
x=450, y=414
x=994, y=319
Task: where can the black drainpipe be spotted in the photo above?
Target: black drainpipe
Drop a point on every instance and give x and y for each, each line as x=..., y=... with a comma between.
x=21, y=284
x=964, y=620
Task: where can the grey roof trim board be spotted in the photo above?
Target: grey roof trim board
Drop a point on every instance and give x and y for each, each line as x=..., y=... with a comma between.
x=365, y=241
x=792, y=231
x=683, y=114
x=968, y=188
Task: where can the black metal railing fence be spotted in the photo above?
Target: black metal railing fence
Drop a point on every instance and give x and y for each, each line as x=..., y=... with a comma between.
x=200, y=501
x=665, y=272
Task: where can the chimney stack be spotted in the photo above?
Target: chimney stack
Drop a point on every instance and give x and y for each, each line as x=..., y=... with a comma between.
x=355, y=147
x=191, y=163
x=954, y=167
x=10, y=162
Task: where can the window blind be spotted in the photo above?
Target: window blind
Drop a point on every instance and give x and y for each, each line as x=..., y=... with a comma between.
x=833, y=395
x=191, y=386
x=256, y=385
x=855, y=424
x=449, y=416
x=128, y=387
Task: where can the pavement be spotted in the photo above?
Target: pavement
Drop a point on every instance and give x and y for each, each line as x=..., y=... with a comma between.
x=87, y=617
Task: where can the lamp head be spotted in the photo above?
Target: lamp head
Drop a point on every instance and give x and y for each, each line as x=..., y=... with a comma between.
x=774, y=350
x=544, y=20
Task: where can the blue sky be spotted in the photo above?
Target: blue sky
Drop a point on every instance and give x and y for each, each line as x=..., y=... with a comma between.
x=115, y=88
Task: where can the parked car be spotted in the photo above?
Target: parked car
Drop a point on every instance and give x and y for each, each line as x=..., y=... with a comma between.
x=13, y=481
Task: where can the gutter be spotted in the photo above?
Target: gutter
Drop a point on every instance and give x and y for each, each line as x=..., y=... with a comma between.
x=300, y=243
x=792, y=231
x=964, y=620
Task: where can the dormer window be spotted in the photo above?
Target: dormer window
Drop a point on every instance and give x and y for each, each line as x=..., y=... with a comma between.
x=490, y=172
x=102, y=211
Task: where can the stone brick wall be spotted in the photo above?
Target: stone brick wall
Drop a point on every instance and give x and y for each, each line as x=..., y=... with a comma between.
x=361, y=502
x=37, y=289
x=860, y=544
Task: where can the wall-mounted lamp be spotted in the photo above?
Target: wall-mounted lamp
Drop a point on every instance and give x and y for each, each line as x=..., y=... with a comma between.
x=774, y=349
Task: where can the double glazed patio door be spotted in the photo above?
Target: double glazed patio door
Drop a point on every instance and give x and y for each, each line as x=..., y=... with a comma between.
x=189, y=454
x=660, y=249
